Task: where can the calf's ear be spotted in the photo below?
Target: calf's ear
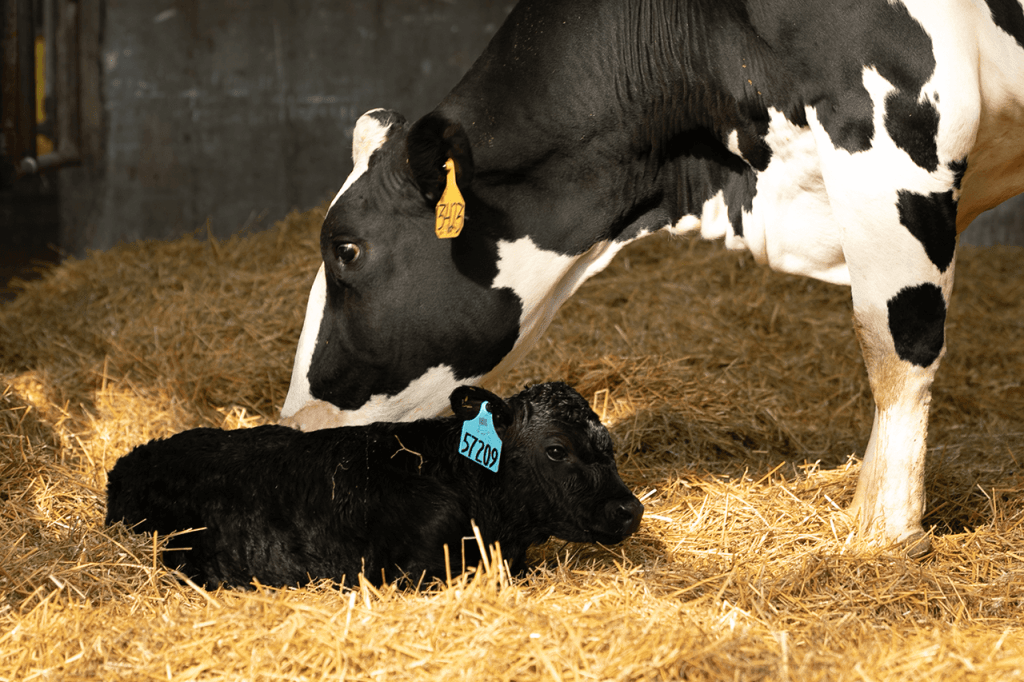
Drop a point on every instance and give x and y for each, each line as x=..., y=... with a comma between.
x=466, y=401
x=433, y=140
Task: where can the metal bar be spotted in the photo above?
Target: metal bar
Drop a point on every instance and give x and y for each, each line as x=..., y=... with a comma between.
x=50, y=36
x=63, y=59
x=66, y=85
x=9, y=82
x=25, y=131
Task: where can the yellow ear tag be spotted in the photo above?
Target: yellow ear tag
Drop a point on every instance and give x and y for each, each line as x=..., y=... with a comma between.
x=450, y=213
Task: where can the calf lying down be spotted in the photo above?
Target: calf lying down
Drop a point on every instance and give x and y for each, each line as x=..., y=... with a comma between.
x=286, y=507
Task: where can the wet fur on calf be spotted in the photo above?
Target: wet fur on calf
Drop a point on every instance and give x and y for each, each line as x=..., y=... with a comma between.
x=288, y=507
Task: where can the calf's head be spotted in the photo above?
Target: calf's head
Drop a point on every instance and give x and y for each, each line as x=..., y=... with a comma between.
x=559, y=461
x=397, y=318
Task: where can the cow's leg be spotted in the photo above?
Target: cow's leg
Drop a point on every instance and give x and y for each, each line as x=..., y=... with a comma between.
x=897, y=200
x=900, y=255
x=902, y=341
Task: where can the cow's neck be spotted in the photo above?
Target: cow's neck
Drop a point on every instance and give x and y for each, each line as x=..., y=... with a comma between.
x=586, y=120
x=569, y=164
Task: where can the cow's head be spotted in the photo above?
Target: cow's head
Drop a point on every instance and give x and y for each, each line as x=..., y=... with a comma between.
x=397, y=317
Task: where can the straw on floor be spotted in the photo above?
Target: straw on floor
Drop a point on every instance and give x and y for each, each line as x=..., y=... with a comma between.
x=739, y=407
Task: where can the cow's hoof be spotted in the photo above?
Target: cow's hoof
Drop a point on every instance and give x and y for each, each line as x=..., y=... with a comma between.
x=916, y=545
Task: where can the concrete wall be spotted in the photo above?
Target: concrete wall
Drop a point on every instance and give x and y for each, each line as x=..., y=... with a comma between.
x=239, y=110
x=1004, y=224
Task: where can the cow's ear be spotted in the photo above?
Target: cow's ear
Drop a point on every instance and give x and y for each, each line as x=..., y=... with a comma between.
x=466, y=402
x=371, y=131
x=431, y=142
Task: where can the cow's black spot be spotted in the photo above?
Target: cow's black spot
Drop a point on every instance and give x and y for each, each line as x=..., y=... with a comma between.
x=700, y=167
x=958, y=168
x=932, y=219
x=913, y=126
x=831, y=47
x=796, y=114
x=849, y=126
x=755, y=151
x=643, y=218
x=739, y=197
x=1009, y=16
x=475, y=257
x=917, y=316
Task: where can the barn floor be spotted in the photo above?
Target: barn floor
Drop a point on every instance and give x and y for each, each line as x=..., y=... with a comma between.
x=739, y=406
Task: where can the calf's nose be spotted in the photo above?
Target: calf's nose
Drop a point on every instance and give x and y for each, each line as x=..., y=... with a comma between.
x=625, y=515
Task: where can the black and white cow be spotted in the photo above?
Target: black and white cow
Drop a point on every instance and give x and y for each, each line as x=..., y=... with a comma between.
x=847, y=141
x=383, y=499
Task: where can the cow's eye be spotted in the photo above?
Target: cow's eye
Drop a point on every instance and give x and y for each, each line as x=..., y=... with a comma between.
x=556, y=453
x=347, y=253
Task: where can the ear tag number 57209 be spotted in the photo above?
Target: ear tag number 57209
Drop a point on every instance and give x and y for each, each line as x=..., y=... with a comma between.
x=450, y=212
x=479, y=441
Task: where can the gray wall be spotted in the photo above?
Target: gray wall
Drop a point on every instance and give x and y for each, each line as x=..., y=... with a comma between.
x=238, y=111
x=1004, y=224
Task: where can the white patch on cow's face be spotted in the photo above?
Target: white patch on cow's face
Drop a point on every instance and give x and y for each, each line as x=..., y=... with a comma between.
x=298, y=390
x=367, y=137
x=425, y=397
x=543, y=281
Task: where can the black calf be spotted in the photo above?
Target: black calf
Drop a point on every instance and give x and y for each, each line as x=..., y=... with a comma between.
x=287, y=507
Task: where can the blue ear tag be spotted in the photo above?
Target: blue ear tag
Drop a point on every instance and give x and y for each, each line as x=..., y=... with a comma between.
x=480, y=442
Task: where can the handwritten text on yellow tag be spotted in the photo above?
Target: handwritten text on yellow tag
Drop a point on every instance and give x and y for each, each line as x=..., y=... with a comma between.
x=450, y=213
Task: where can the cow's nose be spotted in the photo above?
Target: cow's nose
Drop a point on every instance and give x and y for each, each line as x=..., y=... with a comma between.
x=626, y=515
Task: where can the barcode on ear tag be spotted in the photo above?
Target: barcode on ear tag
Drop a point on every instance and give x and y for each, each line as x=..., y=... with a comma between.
x=480, y=442
x=450, y=212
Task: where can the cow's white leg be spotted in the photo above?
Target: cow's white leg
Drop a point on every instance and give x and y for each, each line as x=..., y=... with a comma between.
x=900, y=254
x=897, y=201
x=889, y=501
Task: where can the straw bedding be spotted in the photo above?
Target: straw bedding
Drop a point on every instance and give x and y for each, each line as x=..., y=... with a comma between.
x=739, y=406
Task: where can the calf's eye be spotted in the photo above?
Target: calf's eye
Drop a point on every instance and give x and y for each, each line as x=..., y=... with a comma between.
x=347, y=253
x=556, y=453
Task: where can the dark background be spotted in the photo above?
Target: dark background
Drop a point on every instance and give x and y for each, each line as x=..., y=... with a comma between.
x=196, y=113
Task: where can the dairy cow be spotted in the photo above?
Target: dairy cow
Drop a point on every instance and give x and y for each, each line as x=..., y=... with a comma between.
x=384, y=499
x=850, y=142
